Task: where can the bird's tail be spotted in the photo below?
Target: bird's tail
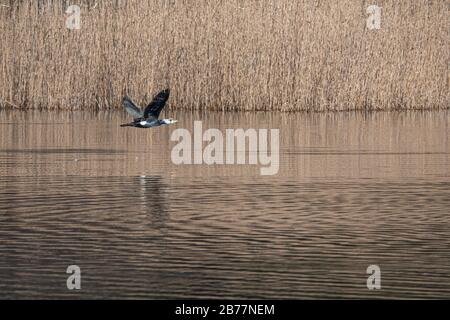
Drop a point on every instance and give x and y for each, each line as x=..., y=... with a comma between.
x=127, y=125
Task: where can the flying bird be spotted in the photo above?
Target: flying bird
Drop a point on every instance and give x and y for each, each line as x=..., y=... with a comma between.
x=149, y=117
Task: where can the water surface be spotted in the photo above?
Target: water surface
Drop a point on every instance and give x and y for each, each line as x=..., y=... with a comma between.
x=353, y=190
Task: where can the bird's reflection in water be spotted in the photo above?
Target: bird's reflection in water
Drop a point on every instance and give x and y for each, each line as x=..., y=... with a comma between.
x=152, y=201
x=153, y=206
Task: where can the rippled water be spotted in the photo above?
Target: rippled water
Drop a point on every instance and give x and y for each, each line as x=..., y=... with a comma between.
x=353, y=190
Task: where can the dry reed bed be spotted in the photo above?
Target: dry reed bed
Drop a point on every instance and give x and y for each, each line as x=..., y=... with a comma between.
x=226, y=55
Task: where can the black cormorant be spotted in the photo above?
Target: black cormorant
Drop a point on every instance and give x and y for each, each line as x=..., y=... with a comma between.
x=148, y=117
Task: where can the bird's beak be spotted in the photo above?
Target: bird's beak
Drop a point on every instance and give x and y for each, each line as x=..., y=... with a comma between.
x=174, y=121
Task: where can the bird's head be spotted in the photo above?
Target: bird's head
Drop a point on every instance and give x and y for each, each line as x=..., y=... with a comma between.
x=169, y=121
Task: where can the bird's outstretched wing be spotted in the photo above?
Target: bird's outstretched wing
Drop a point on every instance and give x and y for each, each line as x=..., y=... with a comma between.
x=157, y=104
x=131, y=108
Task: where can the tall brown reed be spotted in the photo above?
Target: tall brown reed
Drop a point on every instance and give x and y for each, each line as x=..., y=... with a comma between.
x=226, y=54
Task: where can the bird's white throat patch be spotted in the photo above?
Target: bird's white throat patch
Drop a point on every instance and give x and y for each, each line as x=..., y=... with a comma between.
x=168, y=121
x=228, y=148
x=143, y=123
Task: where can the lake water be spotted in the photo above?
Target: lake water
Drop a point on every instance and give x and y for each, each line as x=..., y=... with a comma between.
x=352, y=190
